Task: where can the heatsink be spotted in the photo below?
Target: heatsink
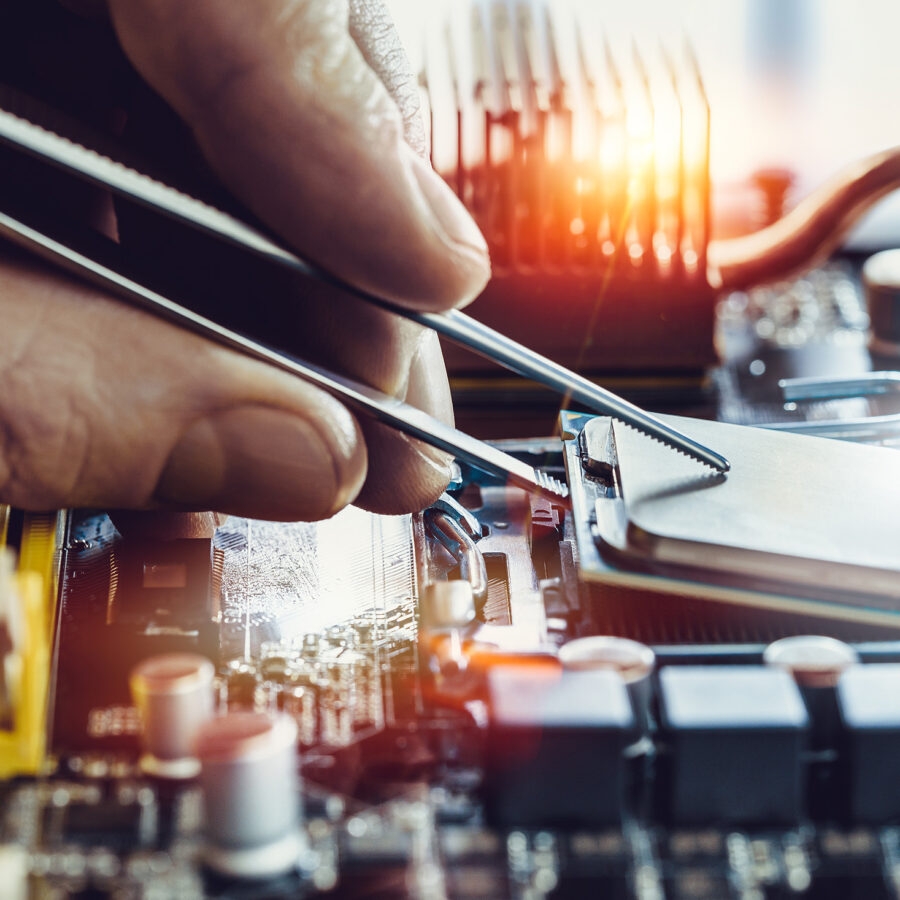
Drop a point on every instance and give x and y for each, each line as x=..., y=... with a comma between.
x=587, y=169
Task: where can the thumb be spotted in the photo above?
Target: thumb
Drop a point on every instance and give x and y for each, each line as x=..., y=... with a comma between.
x=288, y=113
x=106, y=406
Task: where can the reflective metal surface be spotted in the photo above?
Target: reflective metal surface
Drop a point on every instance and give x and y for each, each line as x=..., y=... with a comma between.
x=361, y=397
x=795, y=510
x=801, y=524
x=120, y=179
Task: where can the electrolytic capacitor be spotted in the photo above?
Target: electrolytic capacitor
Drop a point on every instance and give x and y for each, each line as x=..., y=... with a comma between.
x=633, y=661
x=815, y=662
x=446, y=605
x=251, y=796
x=445, y=610
x=174, y=696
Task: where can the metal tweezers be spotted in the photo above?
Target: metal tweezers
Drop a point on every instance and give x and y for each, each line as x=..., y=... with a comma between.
x=54, y=149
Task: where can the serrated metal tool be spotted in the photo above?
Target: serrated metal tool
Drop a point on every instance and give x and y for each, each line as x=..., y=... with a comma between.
x=126, y=182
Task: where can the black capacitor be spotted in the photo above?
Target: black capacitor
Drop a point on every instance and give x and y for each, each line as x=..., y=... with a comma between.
x=869, y=703
x=735, y=735
x=554, y=746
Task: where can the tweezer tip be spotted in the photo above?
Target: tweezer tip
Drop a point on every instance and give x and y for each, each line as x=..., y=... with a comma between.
x=551, y=484
x=717, y=461
x=719, y=464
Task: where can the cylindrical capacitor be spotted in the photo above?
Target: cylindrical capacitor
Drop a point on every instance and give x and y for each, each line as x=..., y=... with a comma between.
x=174, y=696
x=816, y=663
x=632, y=660
x=881, y=278
x=445, y=609
x=446, y=605
x=251, y=794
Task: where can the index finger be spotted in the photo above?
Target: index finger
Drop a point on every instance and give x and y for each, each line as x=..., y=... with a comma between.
x=289, y=114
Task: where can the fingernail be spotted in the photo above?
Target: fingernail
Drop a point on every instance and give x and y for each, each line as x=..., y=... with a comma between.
x=452, y=218
x=255, y=461
x=427, y=386
x=429, y=390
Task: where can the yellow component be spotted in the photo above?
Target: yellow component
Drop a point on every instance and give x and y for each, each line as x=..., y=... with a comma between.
x=27, y=607
x=41, y=538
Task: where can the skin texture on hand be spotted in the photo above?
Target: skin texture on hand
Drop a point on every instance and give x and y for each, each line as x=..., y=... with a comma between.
x=302, y=110
x=283, y=105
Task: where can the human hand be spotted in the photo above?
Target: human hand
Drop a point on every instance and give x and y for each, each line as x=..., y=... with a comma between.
x=306, y=118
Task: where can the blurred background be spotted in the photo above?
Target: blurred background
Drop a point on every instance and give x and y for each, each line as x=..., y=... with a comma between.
x=808, y=85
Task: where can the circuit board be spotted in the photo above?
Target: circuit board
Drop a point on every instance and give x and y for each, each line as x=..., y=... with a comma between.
x=449, y=732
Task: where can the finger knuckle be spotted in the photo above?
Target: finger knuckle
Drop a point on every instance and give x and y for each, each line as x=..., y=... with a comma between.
x=259, y=43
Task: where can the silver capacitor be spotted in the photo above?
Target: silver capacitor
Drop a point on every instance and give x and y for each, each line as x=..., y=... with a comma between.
x=173, y=693
x=633, y=661
x=814, y=660
x=251, y=794
x=447, y=605
x=446, y=609
x=816, y=663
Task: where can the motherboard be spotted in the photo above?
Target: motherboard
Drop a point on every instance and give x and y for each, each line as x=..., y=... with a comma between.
x=459, y=703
